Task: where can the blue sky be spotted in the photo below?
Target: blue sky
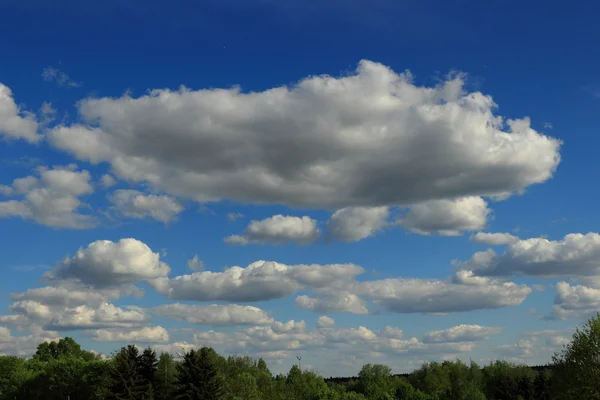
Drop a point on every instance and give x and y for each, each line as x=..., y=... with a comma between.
x=302, y=152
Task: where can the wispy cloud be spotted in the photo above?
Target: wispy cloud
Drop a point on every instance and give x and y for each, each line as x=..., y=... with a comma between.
x=52, y=74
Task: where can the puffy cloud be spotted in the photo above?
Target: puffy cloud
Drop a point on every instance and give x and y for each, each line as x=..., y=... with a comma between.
x=68, y=295
x=51, y=199
x=464, y=292
x=325, y=322
x=447, y=217
x=195, y=264
x=576, y=255
x=105, y=263
x=107, y=181
x=23, y=346
x=218, y=315
x=460, y=333
x=278, y=229
x=135, y=204
x=494, y=239
x=352, y=224
x=575, y=301
x=148, y=334
x=261, y=280
x=14, y=122
x=107, y=315
x=368, y=139
x=30, y=313
x=333, y=302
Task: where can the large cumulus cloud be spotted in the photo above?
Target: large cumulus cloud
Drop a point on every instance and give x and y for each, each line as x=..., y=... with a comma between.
x=372, y=138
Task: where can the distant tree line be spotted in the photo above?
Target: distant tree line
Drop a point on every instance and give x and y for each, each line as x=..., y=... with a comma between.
x=62, y=370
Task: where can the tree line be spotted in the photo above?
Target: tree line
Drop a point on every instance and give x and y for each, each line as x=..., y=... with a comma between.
x=62, y=370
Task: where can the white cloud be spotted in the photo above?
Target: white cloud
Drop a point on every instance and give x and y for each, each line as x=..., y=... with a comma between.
x=261, y=280
x=356, y=223
x=460, y=333
x=463, y=293
x=278, y=229
x=52, y=199
x=260, y=340
x=195, y=264
x=107, y=315
x=576, y=255
x=325, y=322
x=494, y=239
x=218, y=315
x=575, y=301
x=177, y=349
x=368, y=139
x=107, y=181
x=51, y=74
x=333, y=302
x=110, y=264
x=14, y=122
x=56, y=317
x=148, y=334
x=234, y=216
x=447, y=217
x=135, y=204
x=23, y=346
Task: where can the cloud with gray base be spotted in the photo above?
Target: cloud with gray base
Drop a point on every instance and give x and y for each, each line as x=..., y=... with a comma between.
x=51, y=198
x=361, y=140
x=576, y=255
x=16, y=123
x=278, y=229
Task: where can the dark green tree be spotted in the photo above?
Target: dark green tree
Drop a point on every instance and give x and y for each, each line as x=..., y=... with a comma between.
x=198, y=377
x=127, y=382
x=166, y=377
x=148, y=366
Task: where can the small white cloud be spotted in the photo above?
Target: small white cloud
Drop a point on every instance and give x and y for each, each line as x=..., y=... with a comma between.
x=105, y=264
x=494, y=239
x=447, y=217
x=356, y=223
x=278, y=229
x=576, y=255
x=135, y=204
x=107, y=181
x=149, y=334
x=52, y=199
x=460, y=333
x=195, y=264
x=16, y=123
x=234, y=216
x=51, y=74
x=574, y=301
x=325, y=322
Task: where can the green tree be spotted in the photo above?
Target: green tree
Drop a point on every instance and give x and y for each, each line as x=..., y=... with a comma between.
x=166, y=376
x=148, y=366
x=577, y=367
x=198, y=378
x=127, y=383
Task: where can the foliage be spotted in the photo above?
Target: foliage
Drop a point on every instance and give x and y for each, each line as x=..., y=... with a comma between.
x=577, y=366
x=62, y=370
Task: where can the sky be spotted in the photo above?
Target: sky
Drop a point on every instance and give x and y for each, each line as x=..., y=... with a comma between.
x=347, y=182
